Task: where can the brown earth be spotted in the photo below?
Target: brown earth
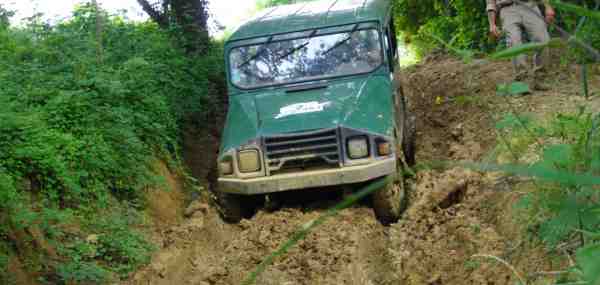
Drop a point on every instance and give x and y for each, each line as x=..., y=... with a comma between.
x=454, y=214
x=166, y=204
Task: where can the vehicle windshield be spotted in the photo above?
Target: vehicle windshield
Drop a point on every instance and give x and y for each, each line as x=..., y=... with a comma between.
x=304, y=59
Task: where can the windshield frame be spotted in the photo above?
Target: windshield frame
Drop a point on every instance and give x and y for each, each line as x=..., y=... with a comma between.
x=376, y=26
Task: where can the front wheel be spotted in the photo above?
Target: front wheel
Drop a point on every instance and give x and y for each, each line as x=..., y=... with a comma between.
x=233, y=208
x=406, y=129
x=409, y=144
x=390, y=202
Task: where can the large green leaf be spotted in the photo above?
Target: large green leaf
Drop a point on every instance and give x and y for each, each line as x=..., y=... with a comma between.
x=513, y=89
x=538, y=171
x=588, y=259
x=557, y=156
x=511, y=121
x=518, y=50
x=579, y=10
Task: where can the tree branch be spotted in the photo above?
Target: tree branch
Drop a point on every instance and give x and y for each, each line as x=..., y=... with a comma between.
x=159, y=17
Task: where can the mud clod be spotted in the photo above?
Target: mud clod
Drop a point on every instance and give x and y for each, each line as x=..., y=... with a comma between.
x=195, y=207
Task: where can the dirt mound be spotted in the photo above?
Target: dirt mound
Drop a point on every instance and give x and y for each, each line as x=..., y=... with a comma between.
x=165, y=204
x=338, y=248
x=451, y=101
x=348, y=249
x=456, y=215
x=444, y=228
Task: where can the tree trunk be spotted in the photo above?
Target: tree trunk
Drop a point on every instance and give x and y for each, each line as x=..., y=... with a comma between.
x=99, y=30
x=191, y=16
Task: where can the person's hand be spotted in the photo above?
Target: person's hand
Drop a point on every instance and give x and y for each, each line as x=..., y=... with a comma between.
x=495, y=31
x=550, y=14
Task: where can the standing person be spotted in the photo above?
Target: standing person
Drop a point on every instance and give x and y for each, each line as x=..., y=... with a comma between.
x=519, y=17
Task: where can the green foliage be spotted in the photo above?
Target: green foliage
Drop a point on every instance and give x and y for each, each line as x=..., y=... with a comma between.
x=589, y=259
x=462, y=23
x=123, y=247
x=518, y=50
x=512, y=89
x=111, y=249
x=5, y=278
x=575, y=9
x=115, y=248
x=82, y=272
x=76, y=129
x=565, y=204
x=82, y=131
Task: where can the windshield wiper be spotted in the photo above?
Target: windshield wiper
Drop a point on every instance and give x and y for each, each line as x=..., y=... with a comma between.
x=292, y=51
x=345, y=40
x=297, y=48
x=261, y=50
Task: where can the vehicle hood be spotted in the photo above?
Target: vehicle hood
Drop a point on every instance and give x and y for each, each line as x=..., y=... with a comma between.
x=363, y=104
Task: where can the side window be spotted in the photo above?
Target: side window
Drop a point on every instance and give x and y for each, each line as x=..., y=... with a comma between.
x=389, y=50
x=386, y=42
x=391, y=44
x=392, y=39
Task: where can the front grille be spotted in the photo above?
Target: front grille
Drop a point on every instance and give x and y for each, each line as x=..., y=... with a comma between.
x=301, y=152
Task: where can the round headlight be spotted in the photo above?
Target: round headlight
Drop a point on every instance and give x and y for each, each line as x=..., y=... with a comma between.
x=358, y=148
x=249, y=161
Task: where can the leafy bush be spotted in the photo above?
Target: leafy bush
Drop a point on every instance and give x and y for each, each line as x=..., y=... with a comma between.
x=82, y=272
x=4, y=259
x=464, y=25
x=563, y=207
x=115, y=248
x=124, y=248
x=588, y=32
x=81, y=128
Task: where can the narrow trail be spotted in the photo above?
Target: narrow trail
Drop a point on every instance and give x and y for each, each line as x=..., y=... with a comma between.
x=348, y=249
x=453, y=214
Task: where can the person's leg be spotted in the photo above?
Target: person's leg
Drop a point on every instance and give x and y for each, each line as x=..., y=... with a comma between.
x=535, y=26
x=537, y=29
x=512, y=26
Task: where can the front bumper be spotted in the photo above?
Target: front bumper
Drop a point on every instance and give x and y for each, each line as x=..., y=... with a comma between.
x=309, y=179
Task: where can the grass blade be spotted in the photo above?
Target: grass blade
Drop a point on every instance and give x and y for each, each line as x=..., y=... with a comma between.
x=518, y=50
x=576, y=9
x=537, y=171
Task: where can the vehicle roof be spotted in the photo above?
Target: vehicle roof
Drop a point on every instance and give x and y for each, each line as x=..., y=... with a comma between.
x=311, y=15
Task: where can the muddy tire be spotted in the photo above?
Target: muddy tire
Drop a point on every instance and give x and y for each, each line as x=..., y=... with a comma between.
x=409, y=140
x=390, y=202
x=233, y=208
x=405, y=129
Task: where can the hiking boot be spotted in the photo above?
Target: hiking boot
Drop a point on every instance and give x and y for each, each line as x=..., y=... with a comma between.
x=539, y=86
x=522, y=76
x=538, y=82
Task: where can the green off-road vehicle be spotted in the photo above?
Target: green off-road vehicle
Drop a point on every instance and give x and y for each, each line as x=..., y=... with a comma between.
x=313, y=103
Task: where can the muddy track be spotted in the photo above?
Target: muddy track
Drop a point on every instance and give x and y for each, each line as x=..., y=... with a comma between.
x=453, y=214
x=348, y=249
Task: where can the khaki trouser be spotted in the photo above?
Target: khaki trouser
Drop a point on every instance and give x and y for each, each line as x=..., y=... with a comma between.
x=524, y=17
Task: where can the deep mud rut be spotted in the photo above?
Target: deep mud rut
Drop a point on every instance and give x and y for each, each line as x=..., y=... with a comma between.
x=453, y=214
x=348, y=249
